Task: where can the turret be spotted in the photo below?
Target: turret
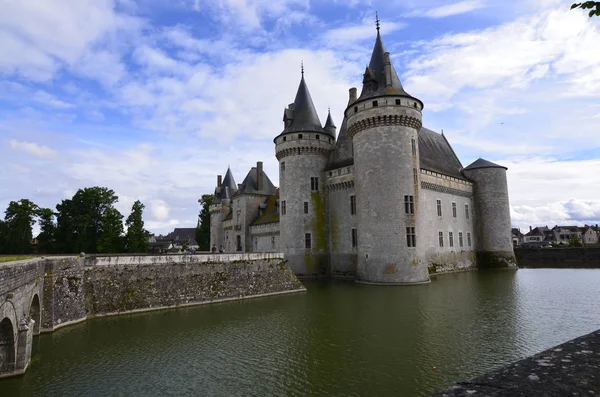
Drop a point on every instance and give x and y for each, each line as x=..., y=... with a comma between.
x=303, y=148
x=220, y=207
x=384, y=122
x=493, y=238
x=329, y=125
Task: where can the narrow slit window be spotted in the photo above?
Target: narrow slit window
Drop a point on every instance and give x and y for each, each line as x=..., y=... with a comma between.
x=469, y=239
x=441, y=238
x=467, y=211
x=460, y=239
x=439, y=207
x=306, y=207
x=354, y=238
x=352, y=205
x=454, y=210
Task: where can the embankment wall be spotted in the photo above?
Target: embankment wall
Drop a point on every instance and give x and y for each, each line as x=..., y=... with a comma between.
x=559, y=257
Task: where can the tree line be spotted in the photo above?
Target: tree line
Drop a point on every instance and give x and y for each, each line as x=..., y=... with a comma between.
x=88, y=222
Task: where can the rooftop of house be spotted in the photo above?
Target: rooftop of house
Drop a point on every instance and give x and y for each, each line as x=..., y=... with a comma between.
x=270, y=212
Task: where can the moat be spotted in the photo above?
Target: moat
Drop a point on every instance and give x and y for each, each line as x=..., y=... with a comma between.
x=337, y=339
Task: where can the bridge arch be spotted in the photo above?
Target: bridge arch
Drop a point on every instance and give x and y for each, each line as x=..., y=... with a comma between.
x=35, y=313
x=8, y=354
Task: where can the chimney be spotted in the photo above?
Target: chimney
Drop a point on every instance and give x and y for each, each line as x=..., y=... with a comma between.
x=352, y=94
x=388, y=69
x=530, y=228
x=219, y=181
x=259, y=176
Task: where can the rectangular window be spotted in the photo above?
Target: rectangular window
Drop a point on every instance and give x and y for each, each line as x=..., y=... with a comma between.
x=467, y=211
x=307, y=240
x=283, y=166
x=441, y=238
x=411, y=239
x=283, y=207
x=375, y=104
x=414, y=147
x=469, y=239
x=317, y=136
x=306, y=207
x=454, y=210
x=354, y=238
x=450, y=239
x=409, y=204
x=352, y=205
x=439, y=207
x=314, y=183
x=460, y=239
x=415, y=176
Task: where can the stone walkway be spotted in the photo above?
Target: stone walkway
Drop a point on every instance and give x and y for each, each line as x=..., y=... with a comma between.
x=570, y=369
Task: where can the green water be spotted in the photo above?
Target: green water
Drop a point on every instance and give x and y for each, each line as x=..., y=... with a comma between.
x=336, y=339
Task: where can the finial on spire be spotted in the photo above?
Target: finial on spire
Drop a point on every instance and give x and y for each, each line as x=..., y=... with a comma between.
x=377, y=21
x=302, y=68
x=328, y=109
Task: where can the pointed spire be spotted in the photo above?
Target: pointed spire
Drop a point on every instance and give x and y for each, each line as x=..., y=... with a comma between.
x=375, y=81
x=228, y=186
x=329, y=124
x=305, y=117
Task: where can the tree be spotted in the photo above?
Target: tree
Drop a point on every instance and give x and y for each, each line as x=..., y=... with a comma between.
x=136, y=239
x=593, y=6
x=47, y=231
x=111, y=235
x=89, y=223
x=203, y=229
x=3, y=237
x=19, y=218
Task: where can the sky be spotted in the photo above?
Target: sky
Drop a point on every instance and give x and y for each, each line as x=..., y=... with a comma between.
x=154, y=98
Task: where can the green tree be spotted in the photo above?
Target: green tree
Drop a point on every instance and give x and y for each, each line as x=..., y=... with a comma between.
x=203, y=229
x=3, y=237
x=136, y=239
x=47, y=231
x=88, y=222
x=111, y=236
x=575, y=241
x=593, y=6
x=19, y=218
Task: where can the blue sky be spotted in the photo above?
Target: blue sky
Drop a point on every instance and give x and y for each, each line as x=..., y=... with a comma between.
x=153, y=98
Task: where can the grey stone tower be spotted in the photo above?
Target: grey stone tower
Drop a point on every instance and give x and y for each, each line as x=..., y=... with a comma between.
x=303, y=148
x=492, y=214
x=384, y=122
x=221, y=207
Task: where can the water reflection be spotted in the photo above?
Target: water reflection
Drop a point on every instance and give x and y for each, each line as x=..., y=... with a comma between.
x=338, y=339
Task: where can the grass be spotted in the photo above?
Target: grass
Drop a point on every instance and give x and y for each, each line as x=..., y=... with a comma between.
x=14, y=258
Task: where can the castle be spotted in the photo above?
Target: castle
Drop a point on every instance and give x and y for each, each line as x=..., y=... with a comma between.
x=387, y=202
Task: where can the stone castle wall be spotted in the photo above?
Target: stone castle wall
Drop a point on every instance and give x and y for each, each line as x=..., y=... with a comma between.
x=80, y=288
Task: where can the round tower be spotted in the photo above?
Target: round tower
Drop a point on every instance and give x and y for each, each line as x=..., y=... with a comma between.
x=493, y=239
x=220, y=208
x=303, y=149
x=384, y=122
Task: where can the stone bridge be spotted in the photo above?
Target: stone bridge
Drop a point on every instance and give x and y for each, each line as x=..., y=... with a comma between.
x=21, y=293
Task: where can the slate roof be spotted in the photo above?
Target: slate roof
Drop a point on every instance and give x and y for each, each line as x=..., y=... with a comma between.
x=250, y=186
x=305, y=117
x=329, y=122
x=374, y=77
x=228, y=187
x=181, y=234
x=343, y=153
x=437, y=155
x=482, y=163
x=271, y=212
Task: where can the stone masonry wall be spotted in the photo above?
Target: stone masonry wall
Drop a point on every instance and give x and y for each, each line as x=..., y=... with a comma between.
x=80, y=288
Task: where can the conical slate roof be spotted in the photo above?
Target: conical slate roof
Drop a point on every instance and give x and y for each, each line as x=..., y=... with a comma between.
x=228, y=186
x=374, y=78
x=482, y=163
x=305, y=116
x=329, y=122
x=343, y=154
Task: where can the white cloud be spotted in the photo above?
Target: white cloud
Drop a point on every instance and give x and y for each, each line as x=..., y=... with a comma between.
x=32, y=148
x=50, y=100
x=461, y=7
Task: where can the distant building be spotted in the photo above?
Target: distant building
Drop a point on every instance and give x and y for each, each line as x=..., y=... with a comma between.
x=382, y=202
